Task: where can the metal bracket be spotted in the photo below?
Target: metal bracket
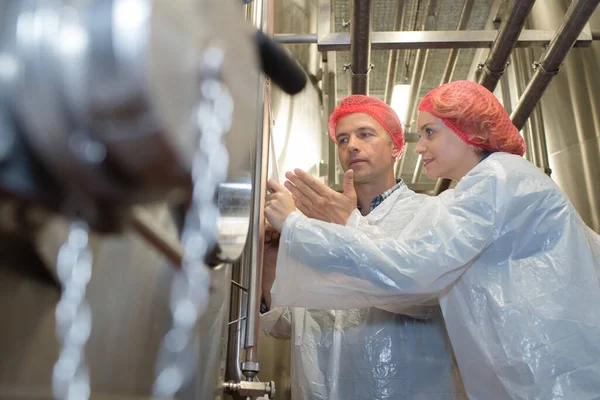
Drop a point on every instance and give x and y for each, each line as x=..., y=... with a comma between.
x=537, y=66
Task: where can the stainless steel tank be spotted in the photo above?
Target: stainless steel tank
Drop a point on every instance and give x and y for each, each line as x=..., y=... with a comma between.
x=126, y=75
x=571, y=116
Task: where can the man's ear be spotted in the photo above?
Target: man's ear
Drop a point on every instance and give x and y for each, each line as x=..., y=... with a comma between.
x=395, y=150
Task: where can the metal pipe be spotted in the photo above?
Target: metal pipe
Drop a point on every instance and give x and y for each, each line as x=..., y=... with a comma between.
x=296, y=38
x=237, y=331
x=418, y=72
x=330, y=86
x=360, y=45
x=507, y=38
x=465, y=15
x=170, y=247
x=250, y=366
x=521, y=77
x=536, y=123
x=394, y=55
x=576, y=17
x=415, y=86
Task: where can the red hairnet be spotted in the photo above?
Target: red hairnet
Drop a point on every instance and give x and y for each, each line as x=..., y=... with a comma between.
x=475, y=115
x=380, y=111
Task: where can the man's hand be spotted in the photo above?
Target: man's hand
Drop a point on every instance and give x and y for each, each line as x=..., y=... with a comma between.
x=269, y=262
x=318, y=201
x=279, y=204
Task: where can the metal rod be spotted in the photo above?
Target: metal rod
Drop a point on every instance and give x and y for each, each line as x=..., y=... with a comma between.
x=360, y=45
x=465, y=15
x=239, y=286
x=418, y=72
x=394, y=56
x=330, y=86
x=575, y=19
x=168, y=245
x=504, y=43
x=521, y=78
x=236, y=321
x=237, y=333
x=463, y=21
x=416, y=82
x=536, y=122
x=258, y=218
x=340, y=41
x=296, y=38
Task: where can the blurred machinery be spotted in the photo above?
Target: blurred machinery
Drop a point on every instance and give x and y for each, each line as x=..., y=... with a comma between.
x=109, y=106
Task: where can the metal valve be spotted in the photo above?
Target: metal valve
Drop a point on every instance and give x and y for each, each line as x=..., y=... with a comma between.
x=251, y=389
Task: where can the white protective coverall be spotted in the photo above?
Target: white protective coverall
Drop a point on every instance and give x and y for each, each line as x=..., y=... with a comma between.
x=515, y=268
x=370, y=353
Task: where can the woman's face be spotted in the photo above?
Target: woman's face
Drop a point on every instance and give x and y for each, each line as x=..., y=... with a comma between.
x=444, y=154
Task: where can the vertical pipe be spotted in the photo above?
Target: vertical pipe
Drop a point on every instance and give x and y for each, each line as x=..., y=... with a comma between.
x=262, y=20
x=394, y=55
x=521, y=81
x=360, y=45
x=465, y=15
x=415, y=86
x=330, y=87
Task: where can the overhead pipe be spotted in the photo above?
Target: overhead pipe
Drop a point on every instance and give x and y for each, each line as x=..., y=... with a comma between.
x=360, y=45
x=505, y=42
x=394, y=55
x=495, y=64
x=576, y=17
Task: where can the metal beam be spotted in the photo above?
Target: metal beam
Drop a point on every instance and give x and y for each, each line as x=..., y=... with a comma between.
x=507, y=38
x=296, y=38
x=360, y=48
x=575, y=20
x=340, y=41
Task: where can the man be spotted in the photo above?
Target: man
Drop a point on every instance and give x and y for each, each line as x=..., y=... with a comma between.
x=353, y=352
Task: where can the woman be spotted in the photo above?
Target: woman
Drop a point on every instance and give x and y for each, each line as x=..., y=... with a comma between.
x=512, y=264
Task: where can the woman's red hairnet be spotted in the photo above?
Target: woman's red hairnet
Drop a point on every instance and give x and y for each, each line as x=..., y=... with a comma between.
x=475, y=115
x=380, y=111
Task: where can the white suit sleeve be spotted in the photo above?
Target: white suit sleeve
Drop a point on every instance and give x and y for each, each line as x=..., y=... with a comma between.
x=277, y=322
x=323, y=265
x=419, y=311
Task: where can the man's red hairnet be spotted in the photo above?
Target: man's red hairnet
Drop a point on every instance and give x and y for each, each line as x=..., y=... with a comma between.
x=380, y=111
x=475, y=115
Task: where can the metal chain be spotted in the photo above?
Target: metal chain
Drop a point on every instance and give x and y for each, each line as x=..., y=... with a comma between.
x=70, y=376
x=178, y=355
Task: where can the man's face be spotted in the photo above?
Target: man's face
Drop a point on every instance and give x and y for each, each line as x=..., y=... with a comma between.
x=365, y=147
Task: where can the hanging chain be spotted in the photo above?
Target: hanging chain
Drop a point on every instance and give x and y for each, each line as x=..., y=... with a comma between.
x=178, y=356
x=70, y=377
